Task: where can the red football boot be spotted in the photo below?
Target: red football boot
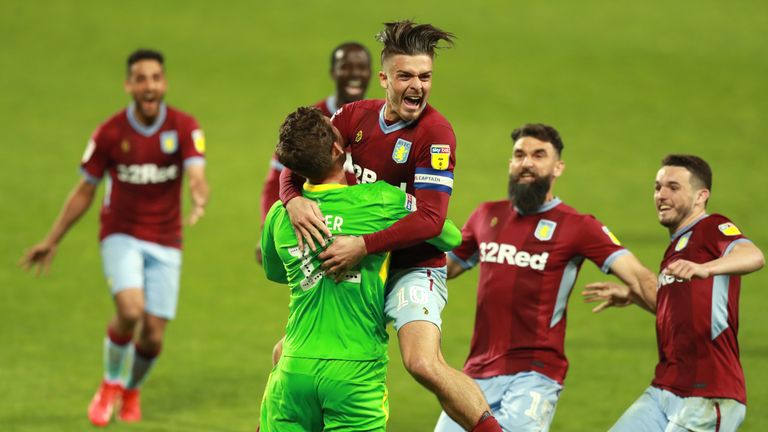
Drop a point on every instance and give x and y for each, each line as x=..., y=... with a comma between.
x=130, y=410
x=103, y=403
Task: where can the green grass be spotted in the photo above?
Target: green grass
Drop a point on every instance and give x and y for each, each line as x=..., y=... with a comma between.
x=624, y=82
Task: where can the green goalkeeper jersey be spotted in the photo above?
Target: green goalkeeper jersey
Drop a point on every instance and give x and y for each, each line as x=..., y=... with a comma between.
x=329, y=320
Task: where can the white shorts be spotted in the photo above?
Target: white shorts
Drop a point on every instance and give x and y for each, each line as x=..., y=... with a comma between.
x=416, y=294
x=525, y=401
x=659, y=410
x=133, y=263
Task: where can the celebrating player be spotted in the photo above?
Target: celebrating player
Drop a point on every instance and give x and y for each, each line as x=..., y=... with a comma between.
x=350, y=71
x=332, y=373
x=530, y=249
x=407, y=143
x=699, y=382
x=143, y=150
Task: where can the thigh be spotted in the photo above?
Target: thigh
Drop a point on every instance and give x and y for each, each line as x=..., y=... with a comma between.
x=123, y=262
x=162, y=271
x=290, y=402
x=353, y=396
x=528, y=402
x=646, y=414
x=417, y=294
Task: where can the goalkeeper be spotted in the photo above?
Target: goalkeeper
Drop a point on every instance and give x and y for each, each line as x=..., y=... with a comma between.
x=332, y=372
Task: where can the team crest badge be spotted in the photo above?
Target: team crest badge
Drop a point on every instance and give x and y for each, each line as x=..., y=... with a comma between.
x=198, y=139
x=169, y=141
x=683, y=242
x=125, y=146
x=401, y=150
x=441, y=156
x=545, y=230
x=494, y=221
x=729, y=229
x=359, y=136
x=610, y=235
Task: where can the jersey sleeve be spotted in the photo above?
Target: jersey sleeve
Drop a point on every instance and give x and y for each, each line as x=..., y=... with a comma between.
x=723, y=235
x=95, y=159
x=435, y=160
x=597, y=243
x=273, y=265
x=342, y=120
x=192, y=144
x=466, y=254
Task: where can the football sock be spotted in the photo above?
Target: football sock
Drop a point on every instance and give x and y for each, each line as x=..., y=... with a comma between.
x=142, y=363
x=487, y=423
x=116, y=346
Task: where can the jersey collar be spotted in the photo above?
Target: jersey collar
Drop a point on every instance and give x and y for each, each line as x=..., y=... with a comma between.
x=679, y=232
x=387, y=129
x=322, y=187
x=330, y=104
x=547, y=206
x=150, y=130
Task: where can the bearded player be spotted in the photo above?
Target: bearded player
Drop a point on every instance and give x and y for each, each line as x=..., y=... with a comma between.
x=143, y=150
x=407, y=143
x=699, y=382
x=530, y=249
x=351, y=72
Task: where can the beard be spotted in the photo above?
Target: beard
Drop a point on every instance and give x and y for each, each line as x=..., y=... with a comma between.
x=528, y=197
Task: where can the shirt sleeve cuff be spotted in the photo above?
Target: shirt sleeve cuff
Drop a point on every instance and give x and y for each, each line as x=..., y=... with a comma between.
x=606, y=268
x=194, y=161
x=90, y=178
x=466, y=265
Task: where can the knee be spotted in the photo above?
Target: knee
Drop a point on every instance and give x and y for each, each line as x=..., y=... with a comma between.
x=129, y=315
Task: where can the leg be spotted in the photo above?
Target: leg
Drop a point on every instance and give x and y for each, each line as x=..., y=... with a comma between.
x=458, y=394
x=698, y=413
x=492, y=388
x=353, y=395
x=646, y=414
x=290, y=402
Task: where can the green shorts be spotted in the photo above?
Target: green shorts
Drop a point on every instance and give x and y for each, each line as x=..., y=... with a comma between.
x=305, y=394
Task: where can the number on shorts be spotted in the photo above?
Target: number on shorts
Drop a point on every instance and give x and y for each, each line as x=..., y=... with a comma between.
x=539, y=409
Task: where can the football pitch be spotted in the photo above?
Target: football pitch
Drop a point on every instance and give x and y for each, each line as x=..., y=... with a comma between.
x=625, y=83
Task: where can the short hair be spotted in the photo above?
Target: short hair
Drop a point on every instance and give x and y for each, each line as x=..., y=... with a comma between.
x=349, y=46
x=306, y=138
x=698, y=167
x=409, y=38
x=143, y=54
x=541, y=132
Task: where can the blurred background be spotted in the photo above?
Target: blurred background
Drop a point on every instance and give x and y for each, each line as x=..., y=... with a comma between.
x=624, y=82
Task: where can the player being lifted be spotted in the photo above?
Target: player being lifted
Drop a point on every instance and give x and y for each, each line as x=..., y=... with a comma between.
x=351, y=72
x=699, y=382
x=407, y=143
x=332, y=373
x=530, y=249
x=144, y=150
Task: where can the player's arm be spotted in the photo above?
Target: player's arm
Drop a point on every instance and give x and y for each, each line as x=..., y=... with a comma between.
x=454, y=268
x=198, y=191
x=464, y=256
x=273, y=265
x=639, y=286
x=78, y=202
x=306, y=217
x=740, y=259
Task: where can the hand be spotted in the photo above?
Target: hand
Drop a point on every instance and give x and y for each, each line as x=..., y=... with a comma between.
x=610, y=293
x=308, y=222
x=686, y=270
x=343, y=254
x=195, y=214
x=40, y=256
x=257, y=253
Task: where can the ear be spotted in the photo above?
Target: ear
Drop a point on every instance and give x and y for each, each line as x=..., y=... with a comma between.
x=559, y=168
x=127, y=86
x=702, y=195
x=337, y=149
x=383, y=81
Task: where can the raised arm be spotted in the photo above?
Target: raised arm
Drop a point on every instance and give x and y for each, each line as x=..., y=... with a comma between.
x=743, y=258
x=78, y=202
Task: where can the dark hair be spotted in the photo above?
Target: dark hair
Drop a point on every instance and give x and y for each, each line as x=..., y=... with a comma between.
x=143, y=54
x=698, y=167
x=409, y=38
x=305, y=143
x=349, y=46
x=541, y=132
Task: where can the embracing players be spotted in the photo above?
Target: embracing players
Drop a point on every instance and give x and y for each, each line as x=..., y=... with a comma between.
x=699, y=382
x=407, y=143
x=144, y=150
x=530, y=249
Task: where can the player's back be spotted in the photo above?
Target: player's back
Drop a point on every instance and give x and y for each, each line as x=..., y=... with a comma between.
x=697, y=321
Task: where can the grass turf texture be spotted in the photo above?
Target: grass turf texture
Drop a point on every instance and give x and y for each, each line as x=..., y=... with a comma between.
x=625, y=83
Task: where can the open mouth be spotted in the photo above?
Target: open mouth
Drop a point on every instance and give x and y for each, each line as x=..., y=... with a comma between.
x=412, y=102
x=354, y=88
